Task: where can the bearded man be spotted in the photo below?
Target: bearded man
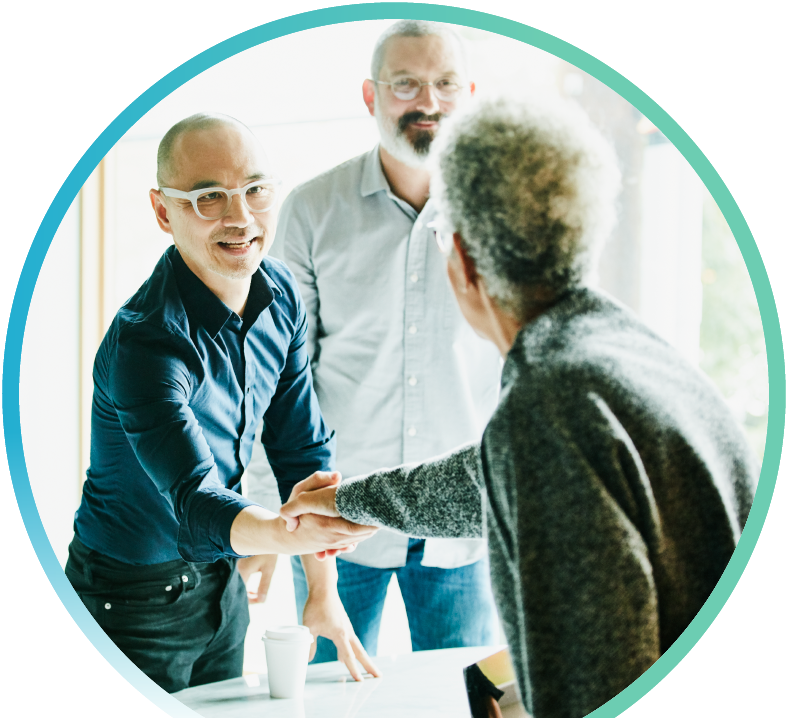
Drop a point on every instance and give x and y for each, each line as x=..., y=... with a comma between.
x=398, y=373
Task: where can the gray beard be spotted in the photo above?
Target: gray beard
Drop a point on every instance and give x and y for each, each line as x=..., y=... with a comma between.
x=399, y=146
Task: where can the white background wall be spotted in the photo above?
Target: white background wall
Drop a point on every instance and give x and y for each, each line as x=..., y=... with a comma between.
x=735, y=669
x=49, y=389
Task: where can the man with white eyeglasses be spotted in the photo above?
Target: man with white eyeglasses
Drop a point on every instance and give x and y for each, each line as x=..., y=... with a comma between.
x=400, y=376
x=210, y=344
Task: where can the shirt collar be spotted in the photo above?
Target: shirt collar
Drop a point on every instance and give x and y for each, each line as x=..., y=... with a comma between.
x=374, y=180
x=372, y=177
x=204, y=306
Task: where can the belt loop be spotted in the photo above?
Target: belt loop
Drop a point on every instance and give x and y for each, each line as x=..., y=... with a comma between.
x=87, y=571
x=196, y=574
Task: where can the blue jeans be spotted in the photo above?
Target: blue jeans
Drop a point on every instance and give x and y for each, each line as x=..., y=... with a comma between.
x=447, y=608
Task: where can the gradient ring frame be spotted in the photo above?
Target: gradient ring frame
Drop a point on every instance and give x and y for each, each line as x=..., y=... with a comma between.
x=380, y=11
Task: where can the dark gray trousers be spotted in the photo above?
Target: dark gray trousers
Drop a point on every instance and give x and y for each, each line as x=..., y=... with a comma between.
x=182, y=624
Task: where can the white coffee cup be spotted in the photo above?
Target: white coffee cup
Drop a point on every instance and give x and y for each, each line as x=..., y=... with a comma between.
x=287, y=656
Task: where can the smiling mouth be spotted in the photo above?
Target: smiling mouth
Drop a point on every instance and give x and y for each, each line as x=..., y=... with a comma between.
x=238, y=245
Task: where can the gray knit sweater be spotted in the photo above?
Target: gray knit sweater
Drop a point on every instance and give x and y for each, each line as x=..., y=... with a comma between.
x=614, y=487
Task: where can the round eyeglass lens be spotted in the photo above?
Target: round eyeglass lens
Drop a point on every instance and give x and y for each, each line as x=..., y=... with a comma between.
x=407, y=88
x=260, y=197
x=446, y=90
x=215, y=203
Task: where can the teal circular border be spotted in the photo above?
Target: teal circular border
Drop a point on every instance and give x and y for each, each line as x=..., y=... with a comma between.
x=381, y=11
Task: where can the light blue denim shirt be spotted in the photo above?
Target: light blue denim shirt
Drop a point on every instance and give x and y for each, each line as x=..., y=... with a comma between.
x=399, y=374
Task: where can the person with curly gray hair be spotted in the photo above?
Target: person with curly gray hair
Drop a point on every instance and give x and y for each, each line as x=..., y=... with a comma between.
x=612, y=481
x=531, y=190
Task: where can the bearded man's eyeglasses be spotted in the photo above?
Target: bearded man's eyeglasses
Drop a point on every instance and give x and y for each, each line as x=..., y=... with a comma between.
x=215, y=202
x=408, y=88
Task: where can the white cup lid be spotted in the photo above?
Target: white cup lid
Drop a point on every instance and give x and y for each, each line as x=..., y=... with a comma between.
x=292, y=634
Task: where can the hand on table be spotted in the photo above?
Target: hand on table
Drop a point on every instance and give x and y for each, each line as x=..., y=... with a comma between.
x=263, y=564
x=325, y=616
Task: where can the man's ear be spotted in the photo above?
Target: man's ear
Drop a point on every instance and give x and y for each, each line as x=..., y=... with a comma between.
x=160, y=210
x=468, y=265
x=368, y=90
x=472, y=88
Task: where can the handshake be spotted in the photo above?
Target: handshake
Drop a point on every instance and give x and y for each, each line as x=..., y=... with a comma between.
x=315, y=497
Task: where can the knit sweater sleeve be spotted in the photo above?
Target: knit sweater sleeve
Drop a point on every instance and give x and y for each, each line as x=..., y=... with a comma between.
x=439, y=498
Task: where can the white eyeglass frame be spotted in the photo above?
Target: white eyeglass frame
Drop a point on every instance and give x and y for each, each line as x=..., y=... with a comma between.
x=421, y=84
x=194, y=194
x=444, y=239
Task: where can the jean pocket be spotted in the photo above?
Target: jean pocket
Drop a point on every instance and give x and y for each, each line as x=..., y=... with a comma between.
x=163, y=594
x=134, y=601
x=138, y=615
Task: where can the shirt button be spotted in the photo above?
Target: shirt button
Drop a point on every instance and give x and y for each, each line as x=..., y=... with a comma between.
x=412, y=329
x=414, y=277
x=412, y=431
x=108, y=606
x=185, y=579
x=412, y=381
x=168, y=588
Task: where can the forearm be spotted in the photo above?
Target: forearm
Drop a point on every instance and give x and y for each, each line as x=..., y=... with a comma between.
x=439, y=498
x=321, y=576
x=256, y=530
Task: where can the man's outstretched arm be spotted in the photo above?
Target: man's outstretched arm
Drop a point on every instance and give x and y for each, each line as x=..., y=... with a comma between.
x=256, y=530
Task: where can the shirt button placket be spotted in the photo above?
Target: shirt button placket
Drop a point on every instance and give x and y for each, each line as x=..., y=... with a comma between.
x=248, y=413
x=414, y=350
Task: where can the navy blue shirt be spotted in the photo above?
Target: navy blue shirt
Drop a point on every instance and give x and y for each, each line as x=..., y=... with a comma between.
x=180, y=385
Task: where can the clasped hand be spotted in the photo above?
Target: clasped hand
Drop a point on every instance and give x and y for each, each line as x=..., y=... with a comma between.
x=315, y=497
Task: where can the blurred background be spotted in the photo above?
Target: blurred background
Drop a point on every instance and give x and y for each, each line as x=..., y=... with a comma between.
x=672, y=257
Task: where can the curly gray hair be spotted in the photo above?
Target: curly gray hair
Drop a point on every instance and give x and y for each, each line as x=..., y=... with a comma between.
x=531, y=189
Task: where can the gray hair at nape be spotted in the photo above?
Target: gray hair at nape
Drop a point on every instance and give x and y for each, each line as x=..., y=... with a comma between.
x=415, y=28
x=531, y=188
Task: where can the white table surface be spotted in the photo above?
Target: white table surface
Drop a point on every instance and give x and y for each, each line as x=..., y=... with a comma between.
x=426, y=684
